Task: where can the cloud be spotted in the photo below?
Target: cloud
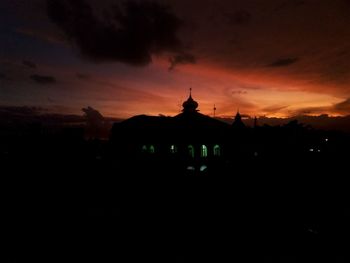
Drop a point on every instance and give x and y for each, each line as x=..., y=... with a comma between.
x=289, y=4
x=241, y=17
x=83, y=76
x=239, y=92
x=343, y=107
x=22, y=110
x=184, y=58
x=29, y=64
x=131, y=33
x=49, y=36
x=41, y=79
x=311, y=110
x=3, y=76
x=274, y=108
x=338, y=108
x=283, y=62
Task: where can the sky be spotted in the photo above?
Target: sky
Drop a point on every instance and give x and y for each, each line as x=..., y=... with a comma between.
x=275, y=58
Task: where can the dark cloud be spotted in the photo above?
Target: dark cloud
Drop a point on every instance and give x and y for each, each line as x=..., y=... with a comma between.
x=41, y=79
x=48, y=35
x=283, y=62
x=22, y=110
x=338, y=108
x=239, y=92
x=274, y=108
x=310, y=110
x=289, y=4
x=241, y=17
x=183, y=58
x=83, y=76
x=343, y=107
x=131, y=33
x=4, y=77
x=29, y=64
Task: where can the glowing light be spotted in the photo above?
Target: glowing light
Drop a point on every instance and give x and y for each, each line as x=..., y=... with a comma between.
x=204, y=151
x=191, y=168
x=173, y=149
x=217, y=150
x=203, y=168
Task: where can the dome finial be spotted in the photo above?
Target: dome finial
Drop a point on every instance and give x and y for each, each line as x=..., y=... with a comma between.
x=190, y=105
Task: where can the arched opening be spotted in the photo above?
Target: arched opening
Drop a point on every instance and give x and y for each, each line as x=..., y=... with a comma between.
x=144, y=148
x=191, y=151
x=204, y=151
x=151, y=149
x=173, y=148
x=217, y=150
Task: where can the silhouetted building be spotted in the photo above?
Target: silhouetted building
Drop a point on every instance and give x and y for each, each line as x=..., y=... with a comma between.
x=194, y=142
x=192, y=139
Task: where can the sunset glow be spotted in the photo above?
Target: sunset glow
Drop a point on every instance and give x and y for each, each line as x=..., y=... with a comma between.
x=236, y=57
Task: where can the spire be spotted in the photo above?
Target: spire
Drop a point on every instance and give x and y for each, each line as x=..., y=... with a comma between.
x=255, y=122
x=214, y=110
x=238, y=116
x=190, y=105
x=238, y=123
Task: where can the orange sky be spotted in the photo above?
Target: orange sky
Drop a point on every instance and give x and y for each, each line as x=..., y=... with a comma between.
x=266, y=58
x=253, y=94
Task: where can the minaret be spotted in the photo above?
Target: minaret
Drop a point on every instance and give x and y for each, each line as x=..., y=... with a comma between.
x=238, y=123
x=255, y=122
x=214, y=109
x=238, y=117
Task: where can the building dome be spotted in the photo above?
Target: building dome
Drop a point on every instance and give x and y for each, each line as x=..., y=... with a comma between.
x=190, y=105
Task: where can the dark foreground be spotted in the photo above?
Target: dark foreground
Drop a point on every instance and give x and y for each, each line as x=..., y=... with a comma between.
x=70, y=207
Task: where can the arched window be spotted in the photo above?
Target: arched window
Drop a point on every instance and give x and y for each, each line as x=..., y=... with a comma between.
x=191, y=151
x=217, y=151
x=204, y=151
x=151, y=149
x=144, y=148
x=173, y=148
